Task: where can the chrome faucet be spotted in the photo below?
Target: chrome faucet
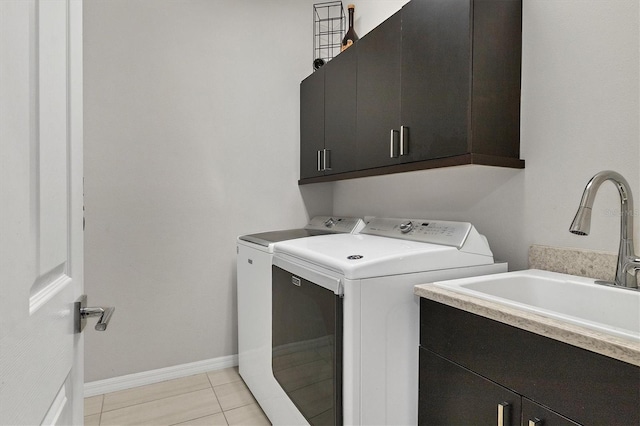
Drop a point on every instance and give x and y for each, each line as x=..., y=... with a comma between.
x=628, y=263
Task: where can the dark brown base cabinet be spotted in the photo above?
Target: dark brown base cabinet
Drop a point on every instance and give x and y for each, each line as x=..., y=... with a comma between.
x=453, y=395
x=470, y=365
x=435, y=85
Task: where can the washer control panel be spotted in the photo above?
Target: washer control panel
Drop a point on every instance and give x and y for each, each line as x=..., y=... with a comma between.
x=335, y=224
x=421, y=230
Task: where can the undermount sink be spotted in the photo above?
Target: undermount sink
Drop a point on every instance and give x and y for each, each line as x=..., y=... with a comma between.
x=569, y=298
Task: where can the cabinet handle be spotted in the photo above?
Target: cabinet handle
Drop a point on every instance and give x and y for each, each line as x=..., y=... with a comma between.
x=404, y=140
x=393, y=143
x=327, y=159
x=535, y=422
x=319, y=160
x=504, y=414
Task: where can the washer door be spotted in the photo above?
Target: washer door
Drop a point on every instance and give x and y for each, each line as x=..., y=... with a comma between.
x=307, y=346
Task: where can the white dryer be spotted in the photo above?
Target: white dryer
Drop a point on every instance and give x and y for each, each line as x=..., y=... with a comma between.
x=345, y=321
x=255, y=252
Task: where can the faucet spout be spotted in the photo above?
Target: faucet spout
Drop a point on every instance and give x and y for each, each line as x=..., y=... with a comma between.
x=627, y=265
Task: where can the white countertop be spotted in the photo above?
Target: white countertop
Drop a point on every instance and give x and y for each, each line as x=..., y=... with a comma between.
x=599, y=342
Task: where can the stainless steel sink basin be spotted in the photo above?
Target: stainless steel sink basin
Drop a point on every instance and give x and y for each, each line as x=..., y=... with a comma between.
x=569, y=298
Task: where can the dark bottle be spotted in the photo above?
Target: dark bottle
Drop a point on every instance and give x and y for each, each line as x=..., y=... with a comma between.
x=350, y=37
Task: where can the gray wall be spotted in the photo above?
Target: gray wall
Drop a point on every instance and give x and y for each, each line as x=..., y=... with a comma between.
x=191, y=138
x=580, y=115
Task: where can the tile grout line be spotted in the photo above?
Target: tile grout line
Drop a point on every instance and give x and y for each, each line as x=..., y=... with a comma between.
x=157, y=399
x=239, y=406
x=213, y=389
x=225, y=418
x=211, y=386
x=101, y=408
x=196, y=418
x=228, y=383
x=233, y=408
x=224, y=412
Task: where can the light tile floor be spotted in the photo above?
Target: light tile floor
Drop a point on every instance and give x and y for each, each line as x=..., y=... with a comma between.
x=214, y=398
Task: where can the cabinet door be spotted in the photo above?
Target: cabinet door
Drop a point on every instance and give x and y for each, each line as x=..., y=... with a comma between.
x=452, y=395
x=378, y=94
x=584, y=386
x=537, y=415
x=311, y=123
x=497, y=53
x=436, y=77
x=340, y=112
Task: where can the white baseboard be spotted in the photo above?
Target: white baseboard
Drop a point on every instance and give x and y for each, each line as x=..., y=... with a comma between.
x=160, y=375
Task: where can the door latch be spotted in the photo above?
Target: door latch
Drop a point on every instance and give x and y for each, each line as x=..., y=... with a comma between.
x=82, y=312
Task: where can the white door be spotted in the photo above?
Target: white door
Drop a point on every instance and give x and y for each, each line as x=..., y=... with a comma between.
x=41, y=368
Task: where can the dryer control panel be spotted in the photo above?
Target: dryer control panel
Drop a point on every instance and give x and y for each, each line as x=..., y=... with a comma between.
x=426, y=231
x=337, y=224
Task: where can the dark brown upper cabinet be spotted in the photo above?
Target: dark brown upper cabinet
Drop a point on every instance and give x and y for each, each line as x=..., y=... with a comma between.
x=328, y=118
x=436, y=78
x=436, y=85
x=311, y=124
x=378, y=94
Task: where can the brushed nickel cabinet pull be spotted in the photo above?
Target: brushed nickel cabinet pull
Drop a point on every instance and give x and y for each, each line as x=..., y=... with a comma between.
x=504, y=413
x=393, y=144
x=327, y=159
x=404, y=140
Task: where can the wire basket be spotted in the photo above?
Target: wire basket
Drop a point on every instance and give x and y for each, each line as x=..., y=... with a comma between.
x=329, y=26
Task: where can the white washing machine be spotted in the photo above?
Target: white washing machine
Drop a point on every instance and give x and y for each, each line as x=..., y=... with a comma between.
x=345, y=321
x=254, y=299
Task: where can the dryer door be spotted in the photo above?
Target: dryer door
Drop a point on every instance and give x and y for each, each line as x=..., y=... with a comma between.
x=307, y=346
